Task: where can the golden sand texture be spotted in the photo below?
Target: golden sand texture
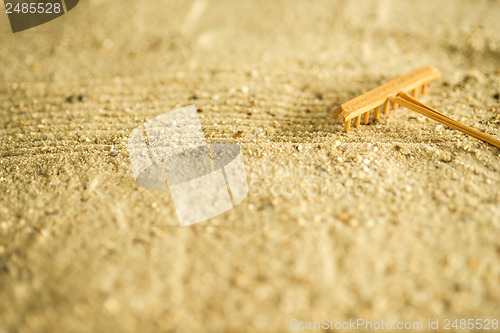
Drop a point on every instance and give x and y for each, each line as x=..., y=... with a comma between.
x=398, y=220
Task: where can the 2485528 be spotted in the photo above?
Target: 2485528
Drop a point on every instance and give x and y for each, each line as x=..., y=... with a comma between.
x=33, y=8
x=471, y=324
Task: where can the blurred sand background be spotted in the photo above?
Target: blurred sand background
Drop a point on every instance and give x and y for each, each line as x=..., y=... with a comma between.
x=83, y=249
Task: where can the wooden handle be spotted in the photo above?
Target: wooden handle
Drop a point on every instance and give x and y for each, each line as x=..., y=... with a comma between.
x=413, y=104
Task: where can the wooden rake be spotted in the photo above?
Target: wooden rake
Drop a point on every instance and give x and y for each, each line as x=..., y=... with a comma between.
x=395, y=91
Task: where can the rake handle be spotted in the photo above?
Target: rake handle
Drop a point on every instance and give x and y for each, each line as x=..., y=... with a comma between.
x=429, y=112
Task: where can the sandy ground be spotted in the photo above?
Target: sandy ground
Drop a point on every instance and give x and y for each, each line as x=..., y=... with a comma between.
x=395, y=221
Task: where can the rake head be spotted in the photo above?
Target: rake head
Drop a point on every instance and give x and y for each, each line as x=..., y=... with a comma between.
x=362, y=106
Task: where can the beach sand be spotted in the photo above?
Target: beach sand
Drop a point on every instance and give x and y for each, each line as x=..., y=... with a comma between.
x=393, y=221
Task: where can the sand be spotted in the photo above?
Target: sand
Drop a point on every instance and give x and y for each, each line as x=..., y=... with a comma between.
x=394, y=221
